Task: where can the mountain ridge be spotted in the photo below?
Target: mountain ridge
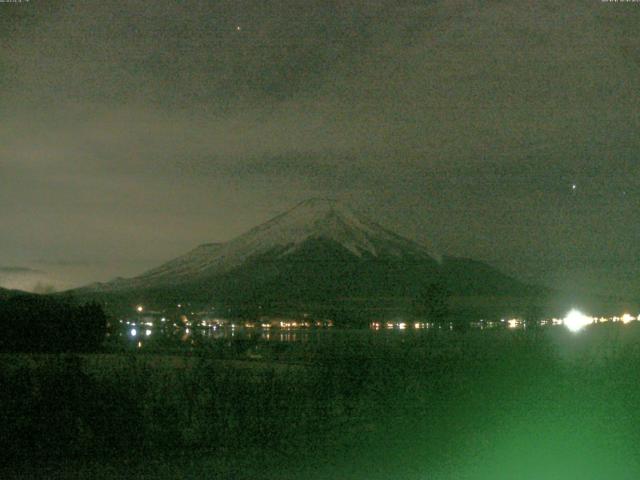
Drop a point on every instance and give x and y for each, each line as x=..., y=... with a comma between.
x=318, y=251
x=313, y=218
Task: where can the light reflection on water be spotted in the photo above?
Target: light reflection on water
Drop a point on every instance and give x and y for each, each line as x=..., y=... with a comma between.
x=164, y=338
x=228, y=333
x=205, y=335
x=194, y=337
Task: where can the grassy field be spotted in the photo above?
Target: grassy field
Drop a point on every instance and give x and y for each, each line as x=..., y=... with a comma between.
x=442, y=405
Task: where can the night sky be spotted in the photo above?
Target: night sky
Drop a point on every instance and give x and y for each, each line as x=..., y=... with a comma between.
x=506, y=131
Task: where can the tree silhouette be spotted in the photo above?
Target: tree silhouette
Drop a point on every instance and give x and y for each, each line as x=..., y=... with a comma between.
x=433, y=302
x=35, y=323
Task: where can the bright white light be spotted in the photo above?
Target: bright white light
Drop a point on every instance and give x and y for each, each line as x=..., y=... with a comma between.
x=134, y=332
x=513, y=323
x=576, y=320
x=147, y=332
x=139, y=308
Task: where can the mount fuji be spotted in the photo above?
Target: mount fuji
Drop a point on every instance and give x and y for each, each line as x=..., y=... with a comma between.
x=319, y=252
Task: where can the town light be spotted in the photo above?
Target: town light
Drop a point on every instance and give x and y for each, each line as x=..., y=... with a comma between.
x=626, y=318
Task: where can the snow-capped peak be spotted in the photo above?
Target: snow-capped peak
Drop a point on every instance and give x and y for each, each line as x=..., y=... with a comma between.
x=318, y=218
x=315, y=218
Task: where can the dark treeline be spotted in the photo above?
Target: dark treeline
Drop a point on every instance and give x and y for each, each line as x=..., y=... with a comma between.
x=35, y=323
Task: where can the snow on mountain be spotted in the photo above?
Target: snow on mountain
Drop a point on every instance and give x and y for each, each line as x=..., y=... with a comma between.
x=188, y=264
x=312, y=219
x=316, y=218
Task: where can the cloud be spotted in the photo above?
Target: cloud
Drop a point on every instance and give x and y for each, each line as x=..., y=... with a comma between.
x=133, y=134
x=17, y=270
x=22, y=278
